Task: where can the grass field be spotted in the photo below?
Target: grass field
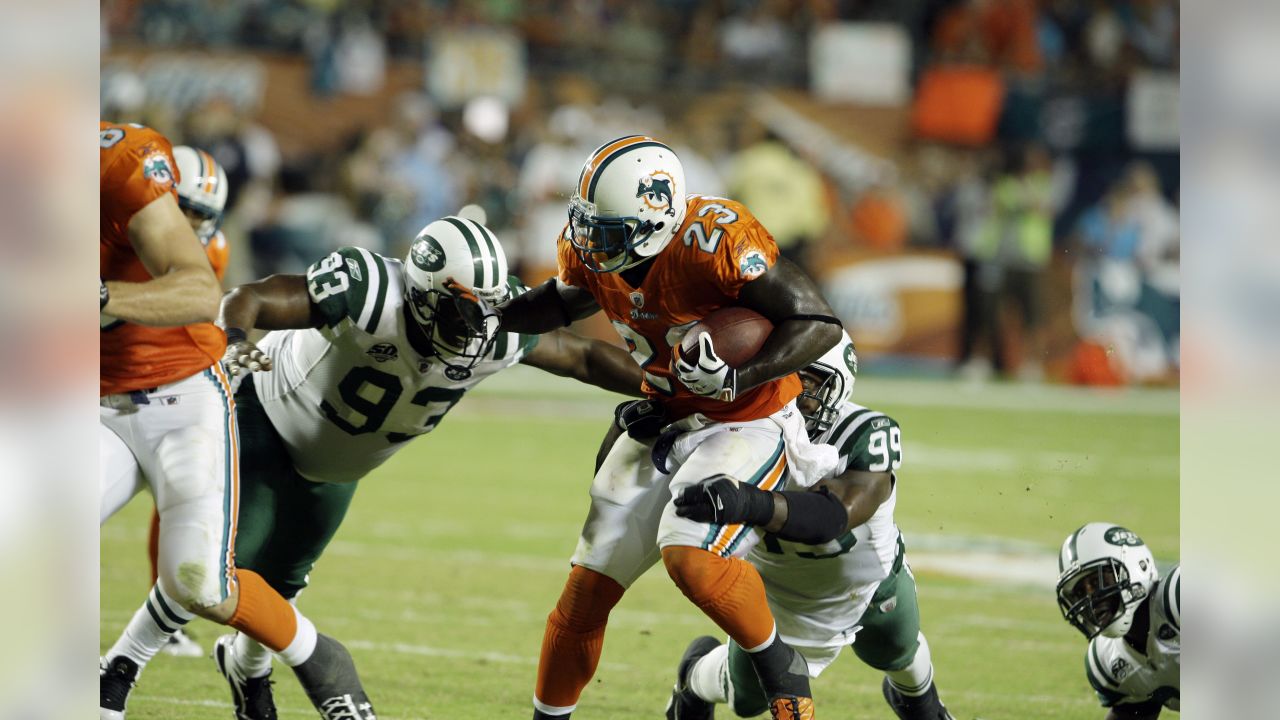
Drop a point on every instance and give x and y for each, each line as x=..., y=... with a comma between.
x=455, y=551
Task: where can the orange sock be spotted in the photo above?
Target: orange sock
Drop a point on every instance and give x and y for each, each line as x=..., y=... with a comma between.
x=262, y=613
x=574, y=637
x=728, y=590
x=153, y=544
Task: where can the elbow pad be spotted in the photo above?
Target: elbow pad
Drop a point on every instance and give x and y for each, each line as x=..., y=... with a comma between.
x=813, y=517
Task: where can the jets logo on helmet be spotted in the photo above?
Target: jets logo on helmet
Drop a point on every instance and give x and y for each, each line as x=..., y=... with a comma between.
x=202, y=190
x=1105, y=572
x=453, y=248
x=829, y=385
x=629, y=200
x=427, y=254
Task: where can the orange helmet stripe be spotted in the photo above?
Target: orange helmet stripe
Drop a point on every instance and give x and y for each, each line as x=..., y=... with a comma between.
x=209, y=169
x=601, y=153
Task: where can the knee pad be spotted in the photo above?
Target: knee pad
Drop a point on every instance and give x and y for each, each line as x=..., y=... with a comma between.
x=188, y=461
x=586, y=601
x=701, y=575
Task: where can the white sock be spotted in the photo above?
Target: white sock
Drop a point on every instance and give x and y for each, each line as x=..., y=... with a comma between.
x=304, y=642
x=914, y=680
x=709, y=677
x=253, y=657
x=150, y=627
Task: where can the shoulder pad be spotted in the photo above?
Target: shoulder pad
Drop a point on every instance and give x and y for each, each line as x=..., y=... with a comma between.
x=350, y=284
x=868, y=440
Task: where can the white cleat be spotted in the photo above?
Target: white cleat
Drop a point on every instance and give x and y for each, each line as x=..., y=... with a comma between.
x=181, y=644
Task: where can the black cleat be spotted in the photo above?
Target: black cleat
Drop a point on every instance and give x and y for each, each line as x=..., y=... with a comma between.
x=924, y=707
x=115, y=680
x=684, y=704
x=252, y=697
x=330, y=681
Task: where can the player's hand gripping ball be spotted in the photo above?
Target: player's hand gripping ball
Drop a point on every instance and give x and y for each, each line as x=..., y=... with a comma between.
x=706, y=373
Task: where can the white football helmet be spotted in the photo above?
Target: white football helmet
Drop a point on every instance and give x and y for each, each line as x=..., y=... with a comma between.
x=832, y=378
x=1104, y=573
x=202, y=189
x=454, y=248
x=628, y=203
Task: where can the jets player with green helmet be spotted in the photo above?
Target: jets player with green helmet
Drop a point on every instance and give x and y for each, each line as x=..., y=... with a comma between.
x=365, y=354
x=832, y=560
x=1110, y=589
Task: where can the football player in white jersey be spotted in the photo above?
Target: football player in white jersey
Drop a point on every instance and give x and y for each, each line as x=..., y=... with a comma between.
x=1110, y=589
x=832, y=561
x=366, y=353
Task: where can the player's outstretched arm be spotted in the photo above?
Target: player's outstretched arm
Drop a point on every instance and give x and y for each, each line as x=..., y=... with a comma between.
x=549, y=306
x=278, y=302
x=804, y=325
x=590, y=361
x=183, y=288
x=806, y=516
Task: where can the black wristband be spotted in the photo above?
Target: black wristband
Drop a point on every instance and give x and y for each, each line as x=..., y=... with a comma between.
x=235, y=335
x=813, y=517
x=759, y=506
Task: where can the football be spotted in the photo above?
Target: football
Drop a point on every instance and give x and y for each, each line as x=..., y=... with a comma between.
x=736, y=332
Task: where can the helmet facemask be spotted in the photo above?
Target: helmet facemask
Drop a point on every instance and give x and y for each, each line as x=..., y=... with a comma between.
x=453, y=343
x=823, y=392
x=205, y=220
x=606, y=244
x=1098, y=598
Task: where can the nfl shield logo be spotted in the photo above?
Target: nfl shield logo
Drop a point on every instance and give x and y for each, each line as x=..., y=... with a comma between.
x=637, y=299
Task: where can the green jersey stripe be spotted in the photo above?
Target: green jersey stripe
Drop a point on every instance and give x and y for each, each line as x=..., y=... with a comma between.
x=375, y=278
x=379, y=269
x=849, y=443
x=844, y=424
x=1170, y=609
x=1102, y=669
x=500, y=346
x=480, y=277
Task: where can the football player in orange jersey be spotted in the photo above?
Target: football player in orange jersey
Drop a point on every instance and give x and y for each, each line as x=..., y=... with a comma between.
x=656, y=260
x=168, y=421
x=202, y=194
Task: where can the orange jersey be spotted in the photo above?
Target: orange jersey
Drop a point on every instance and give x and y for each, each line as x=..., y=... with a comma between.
x=719, y=248
x=137, y=167
x=219, y=254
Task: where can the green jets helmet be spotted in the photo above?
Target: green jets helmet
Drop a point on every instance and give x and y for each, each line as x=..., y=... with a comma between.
x=468, y=253
x=1104, y=573
x=629, y=200
x=829, y=386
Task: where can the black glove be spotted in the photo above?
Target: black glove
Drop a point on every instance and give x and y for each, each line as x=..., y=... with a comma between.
x=103, y=295
x=642, y=419
x=723, y=501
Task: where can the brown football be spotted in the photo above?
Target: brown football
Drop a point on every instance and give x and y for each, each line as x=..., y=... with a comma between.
x=736, y=332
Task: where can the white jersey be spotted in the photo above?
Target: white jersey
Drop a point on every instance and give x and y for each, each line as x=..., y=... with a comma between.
x=819, y=593
x=347, y=396
x=1122, y=675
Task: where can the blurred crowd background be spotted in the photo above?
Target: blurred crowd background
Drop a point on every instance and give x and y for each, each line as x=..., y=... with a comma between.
x=983, y=187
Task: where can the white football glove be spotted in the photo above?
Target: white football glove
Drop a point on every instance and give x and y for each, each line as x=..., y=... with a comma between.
x=710, y=376
x=244, y=357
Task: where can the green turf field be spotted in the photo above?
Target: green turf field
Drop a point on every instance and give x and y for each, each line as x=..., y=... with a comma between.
x=455, y=551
